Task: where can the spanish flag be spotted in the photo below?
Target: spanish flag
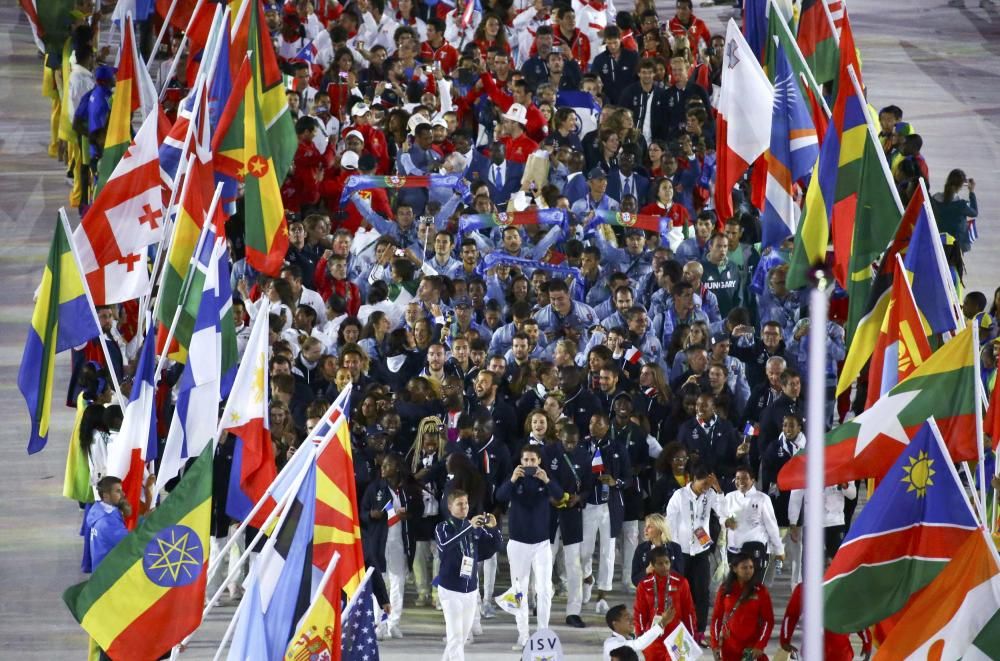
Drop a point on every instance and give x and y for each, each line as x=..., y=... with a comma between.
x=318, y=636
x=243, y=151
x=63, y=318
x=148, y=593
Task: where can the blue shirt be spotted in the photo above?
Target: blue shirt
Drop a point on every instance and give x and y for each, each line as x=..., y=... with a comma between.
x=107, y=528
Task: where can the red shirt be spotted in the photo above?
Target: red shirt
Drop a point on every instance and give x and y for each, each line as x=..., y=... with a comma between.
x=536, y=128
x=446, y=55
x=302, y=185
x=836, y=646
x=679, y=215
x=651, y=596
x=696, y=32
x=577, y=44
x=518, y=149
x=326, y=286
x=739, y=626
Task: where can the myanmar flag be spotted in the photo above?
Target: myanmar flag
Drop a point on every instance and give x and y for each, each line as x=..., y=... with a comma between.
x=243, y=151
x=914, y=523
x=148, y=593
x=63, y=318
x=866, y=446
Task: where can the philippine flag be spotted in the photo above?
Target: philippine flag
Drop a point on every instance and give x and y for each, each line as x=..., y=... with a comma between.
x=390, y=513
x=597, y=464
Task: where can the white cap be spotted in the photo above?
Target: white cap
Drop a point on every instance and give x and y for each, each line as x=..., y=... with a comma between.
x=440, y=122
x=355, y=133
x=349, y=161
x=415, y=121
x=517, y=113
x=360, y=109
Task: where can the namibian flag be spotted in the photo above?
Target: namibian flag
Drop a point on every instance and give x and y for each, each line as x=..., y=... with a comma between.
x=914, y=523
x=63, y=318
x=147, y=594
x=244, y=152
x=597, y=463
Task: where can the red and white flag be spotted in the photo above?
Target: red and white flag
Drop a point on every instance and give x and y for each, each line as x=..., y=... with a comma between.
x=125, y=219
x=743, y=123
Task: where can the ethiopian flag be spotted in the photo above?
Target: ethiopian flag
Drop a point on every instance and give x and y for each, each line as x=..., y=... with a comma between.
x=63, y=318
x=148, y=593
x=243, y=151
x=944, y=387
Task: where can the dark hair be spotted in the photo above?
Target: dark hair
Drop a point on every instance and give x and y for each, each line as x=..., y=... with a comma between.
x=731, y=579
x=658, y=552
x=614, y=614
x=105, y=484
x=91, y=421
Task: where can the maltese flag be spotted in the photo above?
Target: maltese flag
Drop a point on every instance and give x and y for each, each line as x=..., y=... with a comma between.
x=743, y=122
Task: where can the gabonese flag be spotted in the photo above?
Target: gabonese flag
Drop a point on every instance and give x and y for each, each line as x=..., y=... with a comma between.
x=125, y=219
x=943, y=387
x=245, y=418
x=743, y=123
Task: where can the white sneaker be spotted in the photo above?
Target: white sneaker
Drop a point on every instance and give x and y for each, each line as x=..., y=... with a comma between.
x=519, y=645
x=488, y=611
x=588, y=588
x=477, y=629
x=382, y=632
x=396, y=633
x=601, y=607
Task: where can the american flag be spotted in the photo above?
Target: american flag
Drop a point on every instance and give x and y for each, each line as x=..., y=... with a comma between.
x=358, y=641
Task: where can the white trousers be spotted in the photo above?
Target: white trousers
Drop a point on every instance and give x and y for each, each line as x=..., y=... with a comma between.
x=630, y=541
x=425, y=566
x=573, y=562
x=396, y=571
x=527, y=560
x=458, y=608
x=228, y=565
x=597, y=519
x=793, y=557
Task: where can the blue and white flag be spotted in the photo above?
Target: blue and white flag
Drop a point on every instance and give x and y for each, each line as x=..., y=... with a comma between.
x=588, y=112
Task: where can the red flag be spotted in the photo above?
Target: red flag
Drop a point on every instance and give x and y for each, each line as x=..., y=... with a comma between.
x=902, y=343
x=991, y=423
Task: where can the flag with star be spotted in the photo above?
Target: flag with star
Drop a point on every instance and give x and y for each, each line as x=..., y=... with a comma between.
x=147, y=594
x=358, y=641
x=914, y=523
x=245, y=417
x=243, y=151
x=944, y=387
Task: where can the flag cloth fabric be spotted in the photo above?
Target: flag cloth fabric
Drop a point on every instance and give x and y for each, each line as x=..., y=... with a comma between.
x=283, y=577
x=818, y=41
x=991, y=423
x=318, y=636
x=475, y=222
x=134, y=90
x=198, y=393
x=743, y=123
x=76, y=477
x=392, y=518
x=832, y=194
x=597, y=463
x=959, y=607
x=183, y=11
x=63, y=318
x=931, y=276
x=358, y=641
x=242, y=142
x=124, y=220
x=877, y=215
x=338, y=524
x=790, y=157
x=902, y=344
x=587, y=110
x=249, y=638
x=148, y=592
x=136, y=442
x=915, y=522
x=643, y=221
x=270, y=94
x=246, y=418
x=943, y=387
x=50, y=21
x=358, y=182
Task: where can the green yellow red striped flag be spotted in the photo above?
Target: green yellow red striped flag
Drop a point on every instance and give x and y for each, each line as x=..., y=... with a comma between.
x=148, y=593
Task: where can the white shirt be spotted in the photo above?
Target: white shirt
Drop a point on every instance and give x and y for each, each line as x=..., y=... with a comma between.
x=833, y=504
x=617, y=640
x=687, y=512
x=755, y=521
x=315, y=301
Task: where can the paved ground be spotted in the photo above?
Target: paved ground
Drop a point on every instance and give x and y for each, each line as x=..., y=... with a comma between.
x=939, y=62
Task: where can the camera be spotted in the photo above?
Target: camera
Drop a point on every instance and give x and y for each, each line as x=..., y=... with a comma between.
x=399, y=252
x=529, y=470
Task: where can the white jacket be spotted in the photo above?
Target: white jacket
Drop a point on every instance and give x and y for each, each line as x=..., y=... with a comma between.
x=755, y=521
x=833, y=504
x=617, y=640
x=687, y=512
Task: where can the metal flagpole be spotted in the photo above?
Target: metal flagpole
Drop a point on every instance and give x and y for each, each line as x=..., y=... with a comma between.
x=815, y=469
x=163, y=31
x=180, y=49
x=354, y=597
x=93, y=309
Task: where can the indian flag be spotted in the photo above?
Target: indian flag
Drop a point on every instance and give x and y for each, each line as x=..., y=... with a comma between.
x=957, y=616
x=147, y=594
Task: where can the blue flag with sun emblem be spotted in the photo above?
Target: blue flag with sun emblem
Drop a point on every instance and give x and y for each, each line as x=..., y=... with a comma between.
x=910, y=528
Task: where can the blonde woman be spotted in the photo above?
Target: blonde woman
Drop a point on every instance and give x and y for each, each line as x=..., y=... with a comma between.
x=427, y=450
x=657, y=534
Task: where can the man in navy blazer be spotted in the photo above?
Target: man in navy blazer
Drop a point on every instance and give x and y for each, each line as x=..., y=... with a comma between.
x=624, y=180
x=502, y=177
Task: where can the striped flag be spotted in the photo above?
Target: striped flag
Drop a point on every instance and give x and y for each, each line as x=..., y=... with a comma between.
x=818, y=40
x=633, y=356
x=63, y=318
x=318, y=635
x=790, y=158
x=242, y=145
x=391, y=516
x=597, y=463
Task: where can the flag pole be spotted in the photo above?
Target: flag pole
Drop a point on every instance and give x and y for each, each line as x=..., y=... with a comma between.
x=163, y=31
x=93, y=309
x=874, y=136
x=981, y=468
x=942, y=261
x=180, y=49
x=833, y=26
x=798, y=52
x=292, y=465
x=815, y=464
x=354, y=597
